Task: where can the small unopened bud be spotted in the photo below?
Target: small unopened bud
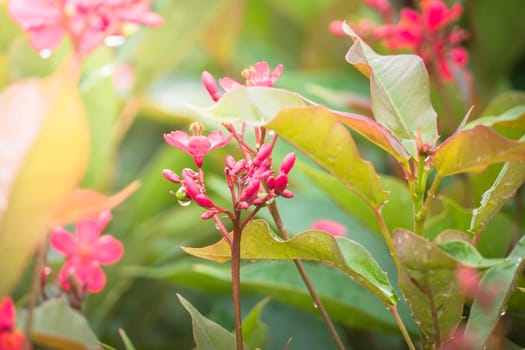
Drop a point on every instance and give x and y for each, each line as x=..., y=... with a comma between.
x=263, y=154
x=230, y=162
x=281, y=181
x=211, y=85
x=203, y=200
x=170, y=176
x=207, y=214
x=288, y=163
x=286, y=194
x=251, y=190
x=270, y=182
x=192, y=189
x=241, y=164
x=244, y=205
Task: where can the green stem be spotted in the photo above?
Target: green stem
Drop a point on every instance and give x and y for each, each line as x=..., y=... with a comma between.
x=423, y=212
x=236, y=283
x=386, y=236
x=402, y=328
x=300, y=267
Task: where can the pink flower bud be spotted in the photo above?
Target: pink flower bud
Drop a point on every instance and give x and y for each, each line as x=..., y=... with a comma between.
x=281, y=181
x=211, y=85
x=263, y=153
x=241, y=165
x=270, y=182
x=230, y=162
x=244, y=205
x=286, y=194
x=251, y=190
x=170, y=176
x=192, y=189
x=208, y=214
x=336, y=28
x=203, y=200
x=288, y=163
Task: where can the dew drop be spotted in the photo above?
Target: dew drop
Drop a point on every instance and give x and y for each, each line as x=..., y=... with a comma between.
x=271, y=133
x=45, y=53
x=184, y=203
x=316, y=306
x=114, y=40
x=502, y=313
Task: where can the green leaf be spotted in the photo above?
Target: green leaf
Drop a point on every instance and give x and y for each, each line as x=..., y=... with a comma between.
x=427, y=280
x=400, y=90
x=399, y=197
x=504, y=102
x=125, y=339
x=317, y=132
x=46, y=121
x=510, y=123
x=510, y=178
x=467, y=254
x=346, y=301
x=258, y=243
x=255, y=332
x=59, y=327
x=208, y=334
x=474, y=149
x=499, y=281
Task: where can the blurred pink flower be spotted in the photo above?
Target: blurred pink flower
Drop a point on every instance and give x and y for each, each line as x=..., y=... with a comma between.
x=197, y=145
x=332, y=227
x=86, y=22
x=256, y=75
x=10, y=338
x=85, y=252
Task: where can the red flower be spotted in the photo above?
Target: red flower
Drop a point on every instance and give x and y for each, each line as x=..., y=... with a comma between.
x=256, y=75
x=197, y=145
x=10, y=338
x=85, y=252
x=87, y=23
x=334, y=228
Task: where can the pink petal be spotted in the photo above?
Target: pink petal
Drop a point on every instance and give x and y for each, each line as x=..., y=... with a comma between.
x=262, y=71
x=228, y=83
x=199, y=146
x=46, y=37
x=140, y=14
x=88, y=232
x=459, y=56
x=218, y=140
x=108, y=250
x=276, y=73
x=97, y=280
x=178, y=139
x=334, y=228
x=103, y=220
x=410, y=16
x=434, y=14
x=63, y=242
x=7, y=314
x=30, y=13
x=336, y=28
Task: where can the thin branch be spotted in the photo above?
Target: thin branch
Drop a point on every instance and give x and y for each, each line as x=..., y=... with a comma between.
x=402, y=328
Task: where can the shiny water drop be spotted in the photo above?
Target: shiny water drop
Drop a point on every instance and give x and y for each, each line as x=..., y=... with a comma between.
x=184, y=203
x=271, y=133
x=45, y=53
x=316, y=306
x=114, y=40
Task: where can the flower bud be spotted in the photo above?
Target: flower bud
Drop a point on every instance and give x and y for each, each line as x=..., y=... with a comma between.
x=192, y=189
x=208, y=214
x=281, y=181
x=286, y=194
x=204, y=201
x=288, y=163
x=244, y=205
x=251, y=190
x=241, y=164
x=230, y=162
x=263, y=154
x=170, y=176
x=270, y=182
x=211, y=85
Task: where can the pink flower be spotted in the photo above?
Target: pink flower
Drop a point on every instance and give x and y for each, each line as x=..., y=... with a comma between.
x=256, y=75
x=334, y=228
x=197, y=145
x=10, y=338
x=86, y=23
x=85, y=252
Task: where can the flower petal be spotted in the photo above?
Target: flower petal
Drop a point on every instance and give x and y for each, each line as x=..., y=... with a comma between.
x=7, y=314
x=178, y=139
x=88, y=232
x=108, y=250
x=63, y=242
x=43, y=38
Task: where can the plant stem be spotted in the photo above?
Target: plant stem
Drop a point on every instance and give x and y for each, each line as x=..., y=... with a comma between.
x=300, y=267
x=236, y=281
x=402, y=328
x=386, y=235
x=422, y=213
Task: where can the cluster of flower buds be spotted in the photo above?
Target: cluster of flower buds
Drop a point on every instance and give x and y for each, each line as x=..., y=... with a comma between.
x=256, y=75
x=86, y=23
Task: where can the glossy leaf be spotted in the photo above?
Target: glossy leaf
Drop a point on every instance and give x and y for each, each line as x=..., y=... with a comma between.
x=499, y=281
x=346, y=301
x=399, y=88
x=254, y=331
x=48, y=142
x=317, y=132
x=57, y=326
x=84, y=203
x=258, y=243
x=474, y=149
x=467, y=254
x=510, y=123
x=510, y=178
x=427, y=280
x=399, y=197
x=208, y=334
x=504, y=102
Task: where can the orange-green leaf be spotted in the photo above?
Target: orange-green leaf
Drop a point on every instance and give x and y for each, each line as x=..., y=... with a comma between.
x=318, y=133
x=258, y=243
x=474, y=149
x=427, y=279
x=83, y=203
x=47, y=162
x=399, y=88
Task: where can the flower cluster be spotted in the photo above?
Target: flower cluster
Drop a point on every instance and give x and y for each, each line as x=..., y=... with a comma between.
x=10, y=337
x=86, y=23
x=85, y=252
x=427, y=33
x=256, y=75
